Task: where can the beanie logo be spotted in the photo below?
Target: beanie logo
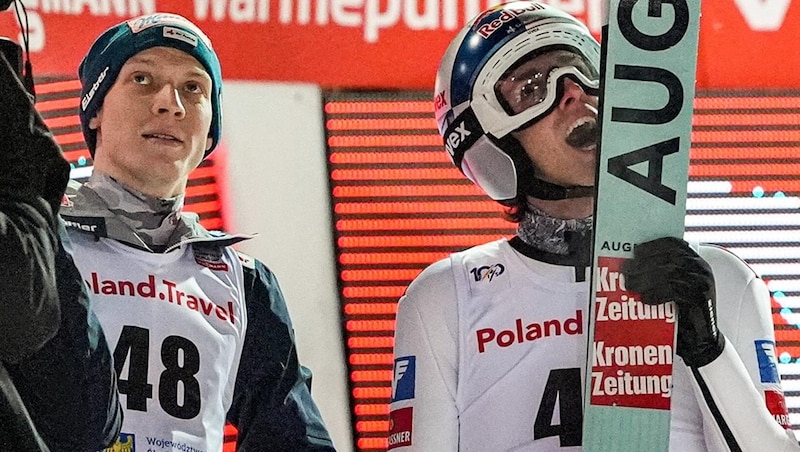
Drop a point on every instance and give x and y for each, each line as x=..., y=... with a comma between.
x=180, y=35
x=88, y=97
x=163, y=19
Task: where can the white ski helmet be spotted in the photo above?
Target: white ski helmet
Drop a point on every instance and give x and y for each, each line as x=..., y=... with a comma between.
x=472, y=117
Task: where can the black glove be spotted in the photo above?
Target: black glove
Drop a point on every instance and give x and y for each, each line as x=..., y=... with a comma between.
x=668, y=269
x=32, y=162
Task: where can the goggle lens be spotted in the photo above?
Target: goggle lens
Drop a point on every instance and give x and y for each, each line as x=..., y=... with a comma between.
x=526, y=85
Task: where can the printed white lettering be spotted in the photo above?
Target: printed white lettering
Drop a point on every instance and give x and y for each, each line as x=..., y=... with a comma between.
x=428, y=19
x=345, y=12
x=36, y=32
x=626, y=384
x=375, y=19
x=120, y=8
x=609, y=281
x=399, y=371
x=82, y=227
x=628, y=308
x=763, y=15
x=88, y=97
x=201, y=9
x=632, y=355
x=55, y=6
x=456, y=137
x=372, y=16
x=399, y=437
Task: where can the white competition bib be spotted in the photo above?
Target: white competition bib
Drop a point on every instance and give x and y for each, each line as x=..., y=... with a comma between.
x=175, y=323
x=522, y=351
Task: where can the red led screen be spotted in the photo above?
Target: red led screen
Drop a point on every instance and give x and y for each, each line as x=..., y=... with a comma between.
x=399, y=205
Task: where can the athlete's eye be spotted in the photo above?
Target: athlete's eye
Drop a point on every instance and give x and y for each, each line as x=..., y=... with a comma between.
x=141, y=79
x=194, y=88
x=532, y=88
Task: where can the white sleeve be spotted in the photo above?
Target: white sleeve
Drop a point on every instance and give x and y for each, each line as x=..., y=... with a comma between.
x=734, y=412
x=731, y=390
x=423, y=410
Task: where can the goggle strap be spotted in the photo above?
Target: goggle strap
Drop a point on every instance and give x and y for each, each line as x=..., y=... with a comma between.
x=461, y=134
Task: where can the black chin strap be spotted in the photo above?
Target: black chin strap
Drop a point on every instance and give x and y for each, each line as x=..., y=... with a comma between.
x=539, y=189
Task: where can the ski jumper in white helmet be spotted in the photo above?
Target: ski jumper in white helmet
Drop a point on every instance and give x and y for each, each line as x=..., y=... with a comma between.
x=490, y=350
x=475, y=124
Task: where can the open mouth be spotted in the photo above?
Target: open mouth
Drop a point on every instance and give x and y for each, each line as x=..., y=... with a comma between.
x=161, y=136
x=583, y=134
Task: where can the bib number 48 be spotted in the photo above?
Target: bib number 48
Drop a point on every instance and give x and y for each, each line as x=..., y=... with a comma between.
x=178, y=389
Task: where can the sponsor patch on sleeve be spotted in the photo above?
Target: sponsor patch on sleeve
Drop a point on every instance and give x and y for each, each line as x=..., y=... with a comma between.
x=404, y=375
x=767, y=362
x=400, y=426
x=776, y=404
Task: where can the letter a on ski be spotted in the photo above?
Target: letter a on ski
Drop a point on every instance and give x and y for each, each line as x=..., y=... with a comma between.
x=648, y=62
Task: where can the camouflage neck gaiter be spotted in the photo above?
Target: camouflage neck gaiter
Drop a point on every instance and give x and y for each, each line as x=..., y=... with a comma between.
x=155, y=222
x=553, y=235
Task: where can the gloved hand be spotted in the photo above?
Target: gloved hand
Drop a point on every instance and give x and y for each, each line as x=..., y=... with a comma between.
x=33, y=165
x=668, y=269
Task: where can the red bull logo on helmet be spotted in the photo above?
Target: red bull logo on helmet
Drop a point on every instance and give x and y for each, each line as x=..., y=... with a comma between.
x=506, y=16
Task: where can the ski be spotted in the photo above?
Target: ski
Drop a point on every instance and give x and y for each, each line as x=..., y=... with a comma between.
x=648, y=64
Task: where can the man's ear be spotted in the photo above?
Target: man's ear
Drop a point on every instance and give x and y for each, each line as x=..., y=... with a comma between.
x=94, y=123
x=209, y=141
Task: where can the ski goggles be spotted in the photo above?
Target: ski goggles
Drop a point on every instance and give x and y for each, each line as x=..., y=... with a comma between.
x=537, y=83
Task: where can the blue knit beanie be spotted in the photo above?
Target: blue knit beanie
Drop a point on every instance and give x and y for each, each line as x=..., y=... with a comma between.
x=100, y=67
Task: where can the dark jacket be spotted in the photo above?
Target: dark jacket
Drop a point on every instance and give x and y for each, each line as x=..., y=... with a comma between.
x=57, y=383
x=272, y=402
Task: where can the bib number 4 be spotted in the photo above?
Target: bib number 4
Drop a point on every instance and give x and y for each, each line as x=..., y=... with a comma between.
x=563, y=388
x=178, y=389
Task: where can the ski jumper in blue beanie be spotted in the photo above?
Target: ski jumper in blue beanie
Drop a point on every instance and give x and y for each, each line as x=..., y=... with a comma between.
x=100, y=67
